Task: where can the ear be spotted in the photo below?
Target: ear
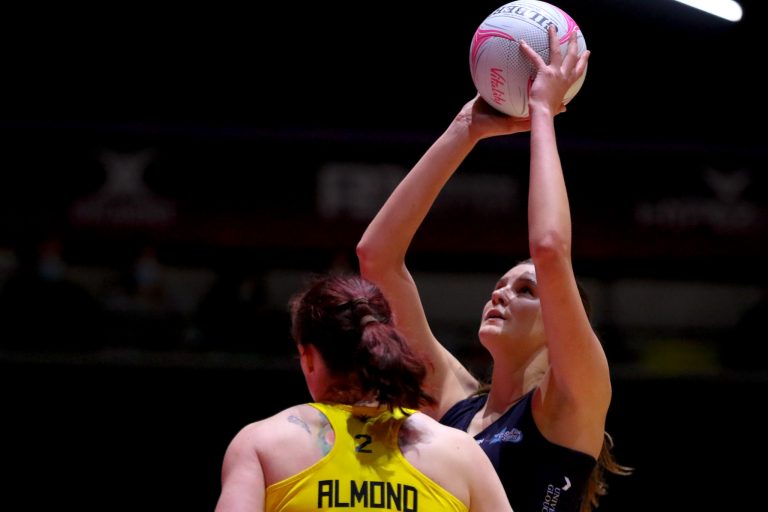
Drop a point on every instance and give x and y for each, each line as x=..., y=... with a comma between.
x=306, y=357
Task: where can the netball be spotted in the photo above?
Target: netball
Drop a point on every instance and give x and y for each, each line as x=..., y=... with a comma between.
x=500, y=71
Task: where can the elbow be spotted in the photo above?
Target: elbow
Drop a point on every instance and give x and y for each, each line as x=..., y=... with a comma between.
x=378, y=258
x=548, y=247
x=377, y=262
x=366, y=258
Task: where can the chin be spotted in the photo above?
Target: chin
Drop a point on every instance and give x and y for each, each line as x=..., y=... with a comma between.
x=488, y=332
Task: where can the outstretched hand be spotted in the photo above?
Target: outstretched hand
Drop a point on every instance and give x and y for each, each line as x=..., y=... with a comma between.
x=485, y=121
x=554, y=79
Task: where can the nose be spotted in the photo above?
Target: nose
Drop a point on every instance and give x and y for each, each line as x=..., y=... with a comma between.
x=499, y=296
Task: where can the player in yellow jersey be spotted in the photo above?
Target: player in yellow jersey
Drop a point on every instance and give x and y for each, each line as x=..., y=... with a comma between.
x=361, y=446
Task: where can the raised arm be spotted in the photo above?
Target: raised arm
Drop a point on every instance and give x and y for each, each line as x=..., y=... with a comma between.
x=382, y=248
x=576, y=392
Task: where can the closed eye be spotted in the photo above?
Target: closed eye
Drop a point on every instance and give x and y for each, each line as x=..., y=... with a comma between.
x=525, y=290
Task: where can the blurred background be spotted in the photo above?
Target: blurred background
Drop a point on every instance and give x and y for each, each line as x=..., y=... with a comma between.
x=171, y=176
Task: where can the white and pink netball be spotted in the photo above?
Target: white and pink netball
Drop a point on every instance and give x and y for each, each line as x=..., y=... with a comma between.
x=501, y=73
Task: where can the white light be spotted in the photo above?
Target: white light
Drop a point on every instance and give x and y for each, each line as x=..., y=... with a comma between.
x=726, y=9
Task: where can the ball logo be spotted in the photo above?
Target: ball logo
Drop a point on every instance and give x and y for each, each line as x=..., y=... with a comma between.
x=501, y=73
x=497, y=85
x=524, y=12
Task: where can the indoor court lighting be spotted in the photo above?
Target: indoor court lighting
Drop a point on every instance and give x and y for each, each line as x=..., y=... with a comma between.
x=726, y=9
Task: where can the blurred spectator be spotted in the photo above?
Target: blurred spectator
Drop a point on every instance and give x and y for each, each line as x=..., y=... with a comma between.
x=42, y=309
x=140, y=315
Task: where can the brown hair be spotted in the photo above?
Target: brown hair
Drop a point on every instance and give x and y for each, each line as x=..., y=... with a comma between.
x=349, y=321
x=597, y=485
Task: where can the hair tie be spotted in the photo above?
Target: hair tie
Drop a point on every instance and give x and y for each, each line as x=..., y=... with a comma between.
x=367, y=319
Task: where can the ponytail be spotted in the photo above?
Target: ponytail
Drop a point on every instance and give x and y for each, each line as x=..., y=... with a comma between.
x=349, y=321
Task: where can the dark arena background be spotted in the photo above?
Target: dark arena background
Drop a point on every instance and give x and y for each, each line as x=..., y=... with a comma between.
x=169, y=177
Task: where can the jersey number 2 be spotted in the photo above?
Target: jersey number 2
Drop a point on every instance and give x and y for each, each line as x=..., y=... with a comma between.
x=365, y=441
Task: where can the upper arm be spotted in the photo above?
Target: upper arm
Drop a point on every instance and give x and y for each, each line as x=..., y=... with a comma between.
x=577, y=390
x=487, y=493
x=242, y=478
x=382, y=248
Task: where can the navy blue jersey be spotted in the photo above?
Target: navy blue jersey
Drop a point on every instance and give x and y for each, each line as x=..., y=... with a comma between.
x=539, y=476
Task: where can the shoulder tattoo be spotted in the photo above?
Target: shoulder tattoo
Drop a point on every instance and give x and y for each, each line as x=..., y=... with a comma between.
x=298, y=421
x=325, y=435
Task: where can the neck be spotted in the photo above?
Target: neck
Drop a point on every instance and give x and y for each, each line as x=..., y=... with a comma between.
x=367, y=403
x=510, y=383
x=503, y=393
x=339, y=395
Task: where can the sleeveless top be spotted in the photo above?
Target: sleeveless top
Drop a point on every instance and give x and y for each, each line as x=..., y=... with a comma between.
x=539, y=476
x=363, y=471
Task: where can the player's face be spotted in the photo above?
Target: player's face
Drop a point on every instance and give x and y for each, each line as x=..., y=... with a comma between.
x=513, y=310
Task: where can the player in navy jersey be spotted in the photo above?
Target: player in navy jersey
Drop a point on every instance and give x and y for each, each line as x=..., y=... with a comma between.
x=542, y=420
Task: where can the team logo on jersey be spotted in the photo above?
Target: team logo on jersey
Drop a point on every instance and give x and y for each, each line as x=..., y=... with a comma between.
x=507, y=436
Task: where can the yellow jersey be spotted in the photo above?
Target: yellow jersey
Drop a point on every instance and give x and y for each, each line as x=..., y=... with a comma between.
x=363, y=471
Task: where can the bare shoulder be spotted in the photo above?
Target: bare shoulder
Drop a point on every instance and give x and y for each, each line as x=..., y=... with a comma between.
x=430, y=435
x=283, y=444
x=285, y=424
x=452, y=459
